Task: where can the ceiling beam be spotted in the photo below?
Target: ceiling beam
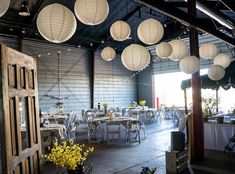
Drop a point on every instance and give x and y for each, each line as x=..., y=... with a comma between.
x=186, y=19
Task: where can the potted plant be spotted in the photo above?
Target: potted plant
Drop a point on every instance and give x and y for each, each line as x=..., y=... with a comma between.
x=68, y=155
x=147, y=170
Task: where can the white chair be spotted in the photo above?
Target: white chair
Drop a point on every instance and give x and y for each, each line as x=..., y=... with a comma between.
x=133, y=131
x=113, y=131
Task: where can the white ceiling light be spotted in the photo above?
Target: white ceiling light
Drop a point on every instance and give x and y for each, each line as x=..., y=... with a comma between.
x=216, y=72
x=222, y=59
x=120, y=30
x=163, y=50
x=4, y=5
x=150, y=31
x=56, y=23
x=179, y=49
x=135, y=57
x=108, y=53
x=189, y=64
x=91, y=12
x=208, y=51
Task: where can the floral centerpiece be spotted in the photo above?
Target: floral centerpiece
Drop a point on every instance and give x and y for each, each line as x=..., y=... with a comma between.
x=68, y=155
x=105, y=105
x=142, y=102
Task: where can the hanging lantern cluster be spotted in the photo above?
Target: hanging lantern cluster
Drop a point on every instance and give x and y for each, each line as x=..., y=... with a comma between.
x=222, y=59
x=216, y=72
x=163, y=50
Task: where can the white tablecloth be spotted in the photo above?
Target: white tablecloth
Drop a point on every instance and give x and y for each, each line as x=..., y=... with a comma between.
x=216, y=136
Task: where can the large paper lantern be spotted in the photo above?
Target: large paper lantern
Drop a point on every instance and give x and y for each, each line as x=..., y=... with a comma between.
x=108, y=53
x=222, y=60
x=216, y=72
x=163, y=50
x=135, y=57
x=208, y=51
x=4, y=5
x=120, y=30
x=179, y=49
x=150, y=31
x=189, y=64
x=56, y=23
x=91, y=12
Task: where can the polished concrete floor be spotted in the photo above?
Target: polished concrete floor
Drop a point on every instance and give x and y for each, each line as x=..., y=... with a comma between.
x=126, y=159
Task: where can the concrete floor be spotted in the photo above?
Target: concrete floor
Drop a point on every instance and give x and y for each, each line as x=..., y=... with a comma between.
x=151, y=153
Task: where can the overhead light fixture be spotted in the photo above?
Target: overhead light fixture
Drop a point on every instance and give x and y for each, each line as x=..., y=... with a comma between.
x=24, y=11
x=213, y=15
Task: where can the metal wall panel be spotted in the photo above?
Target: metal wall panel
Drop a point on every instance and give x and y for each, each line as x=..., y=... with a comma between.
x=74, y=71
x=161, y=66
x=11, y=42
x=113, y=83
x=145, y=87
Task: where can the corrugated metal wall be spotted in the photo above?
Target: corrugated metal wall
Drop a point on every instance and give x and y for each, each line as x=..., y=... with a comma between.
x=113, y=83
x=166, y=66
x=144, y=84
x=11, y=42
x=75, y=69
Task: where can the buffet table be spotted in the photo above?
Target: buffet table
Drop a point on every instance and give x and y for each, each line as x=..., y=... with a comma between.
x=216, y=136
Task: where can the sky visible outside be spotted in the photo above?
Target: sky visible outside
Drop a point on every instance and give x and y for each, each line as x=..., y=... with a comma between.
x=169, y=92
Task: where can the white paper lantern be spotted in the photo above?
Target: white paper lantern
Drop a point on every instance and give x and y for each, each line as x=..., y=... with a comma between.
x=4, y=5
x=222, y=60
x=179, y=49
x=190, y=64
x=91, y=12
x=208, y=51
x=216, y=72
x=150, y=31
x=120, y=30
x=135, y=57
x=108, y=53
x=163, y=50
x=56, y=23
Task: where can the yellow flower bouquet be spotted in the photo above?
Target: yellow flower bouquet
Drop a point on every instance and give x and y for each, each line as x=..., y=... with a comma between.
x=142, y=102
x=68, y=154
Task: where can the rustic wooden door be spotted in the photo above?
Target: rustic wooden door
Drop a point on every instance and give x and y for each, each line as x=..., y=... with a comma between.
x=20, y=113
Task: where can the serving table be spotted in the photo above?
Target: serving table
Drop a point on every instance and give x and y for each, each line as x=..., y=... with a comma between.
x=216, y=136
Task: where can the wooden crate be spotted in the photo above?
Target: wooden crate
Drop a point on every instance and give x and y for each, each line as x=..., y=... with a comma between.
x=176, y=161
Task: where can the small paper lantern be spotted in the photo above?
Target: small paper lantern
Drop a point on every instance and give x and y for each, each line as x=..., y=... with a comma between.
x=163, y=50
x=208, y=51
x=222, y=60
x=179, y=49
x=56, y=23
x=91, y=12
x=216, y=72
x=135, y=57
x=189, y=64
x=108, y=53
x=120, y=30
x=150, y=31
x=4, y=5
